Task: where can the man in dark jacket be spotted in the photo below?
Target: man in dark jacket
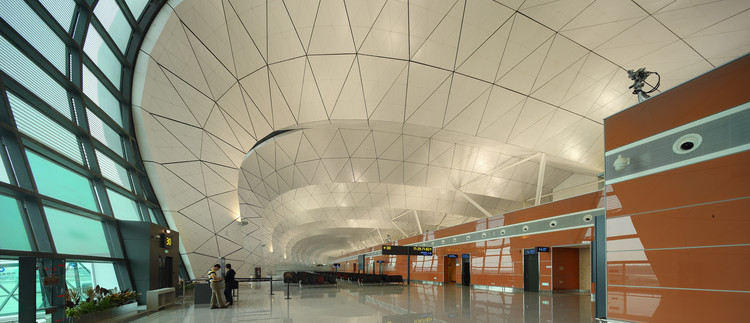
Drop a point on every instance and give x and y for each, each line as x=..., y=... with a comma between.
x=229, y=284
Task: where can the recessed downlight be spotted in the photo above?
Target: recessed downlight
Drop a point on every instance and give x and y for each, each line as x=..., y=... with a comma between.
x=687, y=143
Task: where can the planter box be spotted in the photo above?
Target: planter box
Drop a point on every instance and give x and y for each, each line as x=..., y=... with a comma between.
x=125, y=309
x=105, y=314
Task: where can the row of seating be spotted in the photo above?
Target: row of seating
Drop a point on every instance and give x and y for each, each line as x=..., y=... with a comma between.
x=369, y=278
x=307, y=278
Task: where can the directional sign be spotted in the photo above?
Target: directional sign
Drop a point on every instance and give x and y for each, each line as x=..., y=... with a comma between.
x=406, y=250
x=395, y=250
x=422, y=251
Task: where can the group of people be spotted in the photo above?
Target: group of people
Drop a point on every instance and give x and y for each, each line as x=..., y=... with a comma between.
x=229, y=284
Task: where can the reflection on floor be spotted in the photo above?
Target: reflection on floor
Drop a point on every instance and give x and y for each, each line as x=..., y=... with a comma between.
x=416, y=303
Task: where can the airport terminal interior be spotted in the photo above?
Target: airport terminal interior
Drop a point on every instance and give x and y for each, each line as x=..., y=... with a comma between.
x=375, y=160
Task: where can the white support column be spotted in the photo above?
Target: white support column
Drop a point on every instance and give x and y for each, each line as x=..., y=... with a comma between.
x=419, y=225
x=540, y=179
x=474, y=203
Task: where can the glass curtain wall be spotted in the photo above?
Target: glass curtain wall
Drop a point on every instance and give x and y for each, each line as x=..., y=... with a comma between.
x=69, y=162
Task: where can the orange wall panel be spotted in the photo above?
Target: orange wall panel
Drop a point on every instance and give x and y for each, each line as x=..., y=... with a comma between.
x=669, y=305
x=719, y=90
x=722, y=268
x=721, y=223
x=714, y=180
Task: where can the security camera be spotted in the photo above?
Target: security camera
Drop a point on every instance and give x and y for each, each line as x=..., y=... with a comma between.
x=620, y=163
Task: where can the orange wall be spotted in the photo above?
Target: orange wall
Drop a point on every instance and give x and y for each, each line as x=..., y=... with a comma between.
x=678, y=244
x=495, y=262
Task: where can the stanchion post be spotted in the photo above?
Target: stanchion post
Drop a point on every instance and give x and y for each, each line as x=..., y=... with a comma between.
x=270, y=281
x=287, y=290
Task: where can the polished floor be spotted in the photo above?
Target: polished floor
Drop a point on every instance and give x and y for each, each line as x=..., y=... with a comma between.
x=417, y=303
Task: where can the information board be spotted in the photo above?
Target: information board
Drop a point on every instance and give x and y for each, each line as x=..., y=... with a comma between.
x=407, y=250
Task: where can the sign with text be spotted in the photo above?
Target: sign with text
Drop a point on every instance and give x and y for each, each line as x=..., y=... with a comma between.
x=406, y=250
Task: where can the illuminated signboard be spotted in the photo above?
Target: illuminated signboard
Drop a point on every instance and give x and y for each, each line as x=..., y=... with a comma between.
x=453, y=256
x=405, y=250
x=422, y=251
x=542, y=249
x=166, y=241
x=337, y=265
x=529, y=251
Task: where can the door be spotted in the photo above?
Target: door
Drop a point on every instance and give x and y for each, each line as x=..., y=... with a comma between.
x=466, y=269
x=165, y=272
x=449, y=270
x=530, y=271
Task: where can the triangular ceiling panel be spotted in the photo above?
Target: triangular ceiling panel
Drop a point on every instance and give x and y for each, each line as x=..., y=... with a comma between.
x=168, y=102
x=362, y=15
x=526, y=37
x=393, y=105
x=465, y=92
x=245, y=51
x=188, y=136
x=350, y=104
x=215, y=183
x=311, y=107
x=379, y=76
x=211, y=151
x=197, y=102
x=336, y=148
x=332, y=32
x=562, y=55
x=480, y=22
x=388, y=35
x=424, y=17
x=176, y=55
x=218, y=126
x=253, y=15
x=483, y=62
x=303, y=13
x=190, y=172
x=523, y=75
x=289, y=77
x=330, y=73
x=282, y=113
x=430, y=112
x=283, y=41
x=442, y=44
x=218, y=76
x=261, y=123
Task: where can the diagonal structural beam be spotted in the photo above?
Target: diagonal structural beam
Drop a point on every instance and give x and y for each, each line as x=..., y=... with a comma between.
x=419, y=225
x=474, y=203
x=400, y=215
x=494, y=171
x=399, y=228
x=540, y=179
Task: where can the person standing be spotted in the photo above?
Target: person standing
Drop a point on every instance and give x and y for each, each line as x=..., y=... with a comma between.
x=215, y=282
x=229, y=284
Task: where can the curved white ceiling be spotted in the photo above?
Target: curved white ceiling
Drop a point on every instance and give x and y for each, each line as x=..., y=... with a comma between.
x=371, y=84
